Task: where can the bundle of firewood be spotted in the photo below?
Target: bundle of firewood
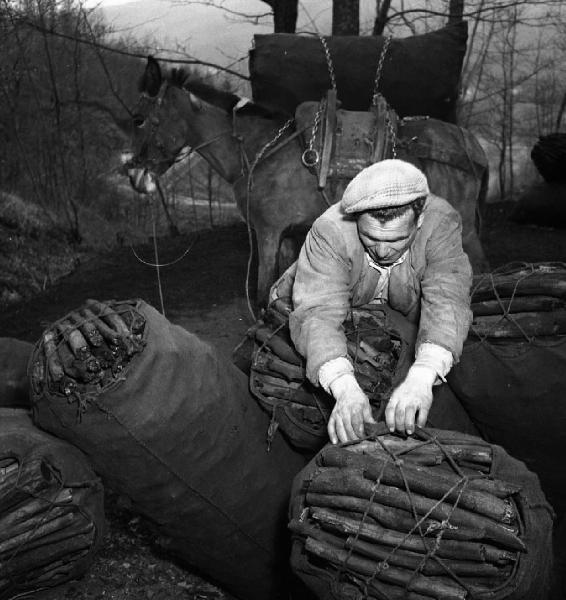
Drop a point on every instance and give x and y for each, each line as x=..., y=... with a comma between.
x=278, y=378
x=520, y=301
x=51, y=508
x=549, y=156
x=88, y=348
x=416, y=518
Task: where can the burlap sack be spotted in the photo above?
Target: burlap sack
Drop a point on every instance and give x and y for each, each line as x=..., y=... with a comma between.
x=178, y=433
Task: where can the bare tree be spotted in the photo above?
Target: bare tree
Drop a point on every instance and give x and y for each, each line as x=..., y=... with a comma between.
x=284, y=15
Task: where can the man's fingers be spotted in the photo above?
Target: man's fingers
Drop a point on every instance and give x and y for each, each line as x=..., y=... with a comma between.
x=423, y=416
x=331, y=428
x=368, y=416
x=358, y=424
x=390, y=415
x=341, y=431
x=409, y=424
x=400, y=417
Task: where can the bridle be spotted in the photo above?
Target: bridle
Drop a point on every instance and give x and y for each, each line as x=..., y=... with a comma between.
x=169, y=159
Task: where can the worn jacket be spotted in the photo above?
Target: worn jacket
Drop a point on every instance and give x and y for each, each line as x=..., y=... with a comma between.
x=431, y=287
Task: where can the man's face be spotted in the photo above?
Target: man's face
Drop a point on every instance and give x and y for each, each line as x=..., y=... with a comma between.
x=387, y=242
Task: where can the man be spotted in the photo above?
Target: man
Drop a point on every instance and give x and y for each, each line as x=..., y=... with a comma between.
x=388, y=240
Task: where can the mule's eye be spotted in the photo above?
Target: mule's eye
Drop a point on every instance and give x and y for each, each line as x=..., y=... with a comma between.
x=138, y=120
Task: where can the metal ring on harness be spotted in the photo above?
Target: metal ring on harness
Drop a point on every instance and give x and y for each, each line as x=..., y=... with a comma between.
x=310, y=157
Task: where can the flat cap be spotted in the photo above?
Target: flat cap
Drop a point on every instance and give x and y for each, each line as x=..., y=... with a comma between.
x=384, y=184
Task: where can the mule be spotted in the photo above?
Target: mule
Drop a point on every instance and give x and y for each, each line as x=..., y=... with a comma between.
x=258, y=152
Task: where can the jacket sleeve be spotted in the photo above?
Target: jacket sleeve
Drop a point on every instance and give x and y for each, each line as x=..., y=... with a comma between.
x=321, y=297
x=445, y=302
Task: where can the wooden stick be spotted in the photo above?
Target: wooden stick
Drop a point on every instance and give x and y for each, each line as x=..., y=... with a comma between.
x=411, y=449
x=266, y=336
x=335, y=480
x=290, y=391
x=414, y=561
x=36, y=532
x=519, y=325
x=74, y=338
x=31, y=524
x=53, y=363
x=110, y=335
x=517, y=304
x=386, y=590
x=33, y=508
x=421, y=480
x=268, y=363
x=431, y=586
x=86, y=529
x=20, y=485
x=90, y=332
x=390, y=517
x=115, y=322
x=458, y=550
x=496, y=487
x=520, y=284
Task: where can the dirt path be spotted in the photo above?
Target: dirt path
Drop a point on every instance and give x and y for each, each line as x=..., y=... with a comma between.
x=204, y=292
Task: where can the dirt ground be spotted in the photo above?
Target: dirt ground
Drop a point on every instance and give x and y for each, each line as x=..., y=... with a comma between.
x=204, y=292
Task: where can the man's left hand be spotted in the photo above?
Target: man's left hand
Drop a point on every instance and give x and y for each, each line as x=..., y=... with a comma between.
x=410, y=402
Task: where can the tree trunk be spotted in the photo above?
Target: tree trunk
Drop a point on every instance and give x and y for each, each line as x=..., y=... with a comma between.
x=284, y=15
x=346, y=17
x=381, y=18
x=455, y=11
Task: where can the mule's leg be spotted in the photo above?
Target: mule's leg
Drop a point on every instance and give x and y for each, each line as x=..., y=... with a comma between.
x=267, y=250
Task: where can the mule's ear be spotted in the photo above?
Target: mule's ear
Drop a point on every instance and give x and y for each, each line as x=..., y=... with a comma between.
x=150, y=82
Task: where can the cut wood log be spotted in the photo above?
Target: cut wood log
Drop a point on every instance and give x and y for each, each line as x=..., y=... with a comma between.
x=520, y=325
x=351, y=483
x=421, y=481
x=456, y=550
x=392, y=518
x=432, y=586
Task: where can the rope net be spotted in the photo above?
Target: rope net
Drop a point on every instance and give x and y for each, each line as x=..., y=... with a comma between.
x=51, y=509
x=392, y=517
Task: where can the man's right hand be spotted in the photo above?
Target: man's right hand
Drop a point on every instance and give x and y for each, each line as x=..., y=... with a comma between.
x=351, y=411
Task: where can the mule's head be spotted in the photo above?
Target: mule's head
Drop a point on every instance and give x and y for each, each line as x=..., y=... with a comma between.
x=160, y=130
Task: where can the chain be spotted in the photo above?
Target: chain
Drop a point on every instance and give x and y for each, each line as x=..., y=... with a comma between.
x=310, y=156
x=328, y=62
x=266, y=147
x=376, y=94
x=379, y=69
x=392, y=135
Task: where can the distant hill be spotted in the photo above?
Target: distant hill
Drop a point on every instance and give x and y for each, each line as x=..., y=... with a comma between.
x=207, y=33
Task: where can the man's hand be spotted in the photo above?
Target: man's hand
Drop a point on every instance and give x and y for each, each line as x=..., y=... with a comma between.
x=351, y=411
x=411, y=400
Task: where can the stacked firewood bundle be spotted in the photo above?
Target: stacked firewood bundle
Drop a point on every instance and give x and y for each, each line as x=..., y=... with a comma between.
x=549, y=156
x=520, y=301
x=88, y=348
x=278, y=379
x=416, y=518
x=51, y=508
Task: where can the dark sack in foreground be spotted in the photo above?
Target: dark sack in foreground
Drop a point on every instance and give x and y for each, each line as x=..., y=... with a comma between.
x=438, y=515
x=420, y=76
x=511, y=375
x=51, y=508
x=173, y=427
